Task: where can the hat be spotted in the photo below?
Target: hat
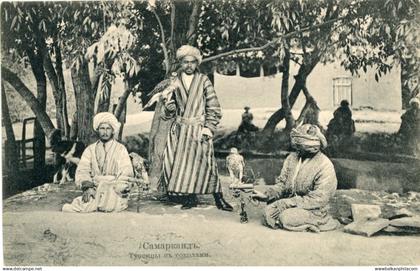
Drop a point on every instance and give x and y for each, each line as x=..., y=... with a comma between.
x=188, y=50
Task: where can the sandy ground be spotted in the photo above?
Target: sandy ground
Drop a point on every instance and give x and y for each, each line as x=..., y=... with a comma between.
x=162, y=234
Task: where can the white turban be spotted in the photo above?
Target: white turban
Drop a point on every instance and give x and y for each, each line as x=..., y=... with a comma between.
x=188, y=50
x=106, y=117
x=308, y=137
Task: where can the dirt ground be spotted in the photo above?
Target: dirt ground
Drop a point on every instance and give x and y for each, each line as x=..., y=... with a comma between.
x=35, y=232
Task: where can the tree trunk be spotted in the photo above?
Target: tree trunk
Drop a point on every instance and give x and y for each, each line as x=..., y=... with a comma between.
x=121, y=109
x=157, y=143
x=42, y=117
x=300, y=82
x=310, y=112
x=85, y=98
x=57, y=93
x=285, y=92
x=62, y=88
x=122, y=102
x=36, y=60
x=193, y=20
x=12, y=155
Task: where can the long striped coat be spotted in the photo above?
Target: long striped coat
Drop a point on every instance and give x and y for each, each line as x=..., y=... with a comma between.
x=189, y=166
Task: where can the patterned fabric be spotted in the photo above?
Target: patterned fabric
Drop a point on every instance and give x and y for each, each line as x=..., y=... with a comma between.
x=307, y=187
x=189, y=165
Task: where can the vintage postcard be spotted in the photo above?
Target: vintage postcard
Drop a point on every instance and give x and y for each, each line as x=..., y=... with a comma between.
x=210, y=133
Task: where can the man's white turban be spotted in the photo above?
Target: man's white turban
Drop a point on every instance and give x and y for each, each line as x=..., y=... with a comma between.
x=106, y=117
x=188, y=50
x=308, y=137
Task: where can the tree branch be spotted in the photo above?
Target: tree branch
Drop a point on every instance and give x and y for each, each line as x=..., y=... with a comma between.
x=30, y=99
x=164, y=48
x=173, y=13
x=294, y=60
x=273, y=42
x=193, y=22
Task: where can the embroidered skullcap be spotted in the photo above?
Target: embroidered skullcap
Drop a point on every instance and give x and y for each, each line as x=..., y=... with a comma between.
x=308, y=137
x=106, y=117
x=188, y=50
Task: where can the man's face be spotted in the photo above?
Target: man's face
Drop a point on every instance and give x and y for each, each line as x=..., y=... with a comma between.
x=105, y=132
x=189, y=64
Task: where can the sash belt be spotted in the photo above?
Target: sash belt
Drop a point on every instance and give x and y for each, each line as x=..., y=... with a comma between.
x=190, y=121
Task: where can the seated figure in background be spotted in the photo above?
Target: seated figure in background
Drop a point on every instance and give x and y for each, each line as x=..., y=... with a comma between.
x=341, y=128
x=299, y=199
x=104, y=171
x=246, y=124
x=410, y=127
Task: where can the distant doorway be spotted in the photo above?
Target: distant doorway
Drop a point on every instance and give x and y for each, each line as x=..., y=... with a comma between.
x=342, y=90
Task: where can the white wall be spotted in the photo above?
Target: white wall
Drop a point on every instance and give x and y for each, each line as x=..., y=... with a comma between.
x=235, y=92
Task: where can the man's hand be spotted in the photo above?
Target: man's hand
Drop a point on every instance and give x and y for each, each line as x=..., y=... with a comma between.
x=87, y=184
x=170, y=105
x=206, y=134
x=257, y=195
x=88, y=194
x=281, y=205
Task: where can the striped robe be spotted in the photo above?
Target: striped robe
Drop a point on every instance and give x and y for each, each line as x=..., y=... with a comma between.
x=117, y=163
x=189, y=166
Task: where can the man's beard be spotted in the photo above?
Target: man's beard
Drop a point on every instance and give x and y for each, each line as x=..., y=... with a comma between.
x=189, y=71
x=105, y=140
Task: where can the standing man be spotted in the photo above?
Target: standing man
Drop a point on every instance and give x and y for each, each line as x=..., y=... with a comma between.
x=189, y=167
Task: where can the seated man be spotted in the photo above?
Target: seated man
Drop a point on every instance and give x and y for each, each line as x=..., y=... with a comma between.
x=103, y=171
x=246, y=123
x=299, y=199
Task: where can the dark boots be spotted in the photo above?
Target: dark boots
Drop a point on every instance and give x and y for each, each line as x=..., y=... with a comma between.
x=221, y=203
x=189, y=201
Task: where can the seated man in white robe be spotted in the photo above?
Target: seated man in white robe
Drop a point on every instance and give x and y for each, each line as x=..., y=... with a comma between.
x=104, y=171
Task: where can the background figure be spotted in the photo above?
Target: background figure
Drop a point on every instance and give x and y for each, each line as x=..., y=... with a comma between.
x=410, y=127
x=341, y=128
x=246, y=125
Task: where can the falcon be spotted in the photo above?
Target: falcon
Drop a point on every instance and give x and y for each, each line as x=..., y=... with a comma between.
x=235, y=164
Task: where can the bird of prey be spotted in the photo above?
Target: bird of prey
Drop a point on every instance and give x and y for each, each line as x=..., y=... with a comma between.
x=163, y=91
x=139, y=168
x=235, y=164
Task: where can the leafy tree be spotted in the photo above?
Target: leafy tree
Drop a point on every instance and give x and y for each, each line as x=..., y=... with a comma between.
x=23, y=30
x=92, y=38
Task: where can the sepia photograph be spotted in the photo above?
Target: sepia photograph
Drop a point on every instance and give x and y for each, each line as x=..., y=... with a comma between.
x=218, y=133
